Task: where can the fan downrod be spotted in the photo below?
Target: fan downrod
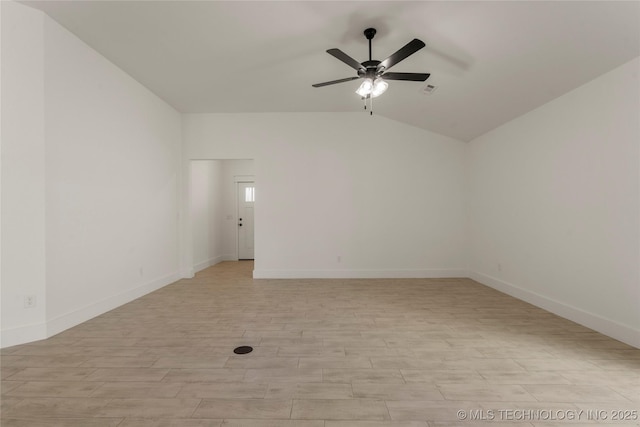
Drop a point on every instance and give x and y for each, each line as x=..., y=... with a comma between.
x=369, y=33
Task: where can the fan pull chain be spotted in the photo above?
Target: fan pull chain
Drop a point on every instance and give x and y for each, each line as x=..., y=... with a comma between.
x=370, y=98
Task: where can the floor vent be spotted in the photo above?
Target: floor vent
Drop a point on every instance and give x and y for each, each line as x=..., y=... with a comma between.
x=243, y=349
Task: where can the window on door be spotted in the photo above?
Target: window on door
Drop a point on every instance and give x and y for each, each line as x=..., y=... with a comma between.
x=250, y=194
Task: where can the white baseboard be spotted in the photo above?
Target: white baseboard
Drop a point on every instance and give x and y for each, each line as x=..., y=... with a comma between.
x=73, y=318
x=359, y=274
x=611, y=328
x=23, y=334
x=202, y=265
x=208, y=263
x=593, y=321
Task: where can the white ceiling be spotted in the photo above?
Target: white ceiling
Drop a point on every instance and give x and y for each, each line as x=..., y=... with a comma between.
x=491, y=61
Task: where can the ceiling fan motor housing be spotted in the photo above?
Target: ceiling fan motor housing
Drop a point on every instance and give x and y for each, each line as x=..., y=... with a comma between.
x=370, y=70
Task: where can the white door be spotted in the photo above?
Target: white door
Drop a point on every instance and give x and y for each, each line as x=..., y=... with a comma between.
x=246, y=199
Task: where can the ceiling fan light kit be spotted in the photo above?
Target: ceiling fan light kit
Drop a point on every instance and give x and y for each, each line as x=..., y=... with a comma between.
x=374, y=72
x=365, y=88
x=372, y=88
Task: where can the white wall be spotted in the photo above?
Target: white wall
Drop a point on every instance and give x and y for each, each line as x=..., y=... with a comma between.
x=23, y=174
x=554, y=205
x=1, y=174
x=90, y=181
x=206, y=212
x=385, y=197
x=112, y=150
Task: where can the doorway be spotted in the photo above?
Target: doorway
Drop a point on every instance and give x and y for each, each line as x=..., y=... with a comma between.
x=213, y=206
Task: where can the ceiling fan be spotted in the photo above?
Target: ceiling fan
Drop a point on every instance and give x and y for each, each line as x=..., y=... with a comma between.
x=375, y=72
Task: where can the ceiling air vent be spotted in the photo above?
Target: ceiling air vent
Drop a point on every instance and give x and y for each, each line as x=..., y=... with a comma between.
x=429, y=89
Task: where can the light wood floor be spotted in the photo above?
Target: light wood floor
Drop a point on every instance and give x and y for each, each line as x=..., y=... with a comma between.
x=328, y=353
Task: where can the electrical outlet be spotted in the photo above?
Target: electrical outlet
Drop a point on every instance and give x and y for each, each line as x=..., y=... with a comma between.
x=29, y=301
x=339, y=258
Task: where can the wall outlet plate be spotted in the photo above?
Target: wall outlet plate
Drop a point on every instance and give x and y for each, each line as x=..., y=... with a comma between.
x=29, y=301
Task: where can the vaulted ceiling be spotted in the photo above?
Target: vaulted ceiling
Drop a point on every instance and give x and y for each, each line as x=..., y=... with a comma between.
x=490, y=61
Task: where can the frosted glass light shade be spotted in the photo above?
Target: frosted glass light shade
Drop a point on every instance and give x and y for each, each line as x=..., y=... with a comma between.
x=365, y=88
x=370, y=88
x=379, y=87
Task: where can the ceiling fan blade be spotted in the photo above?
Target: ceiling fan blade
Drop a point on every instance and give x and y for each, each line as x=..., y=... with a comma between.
x=414, y=77
x=345, y=58
x=409, y=49
x=332, y=82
